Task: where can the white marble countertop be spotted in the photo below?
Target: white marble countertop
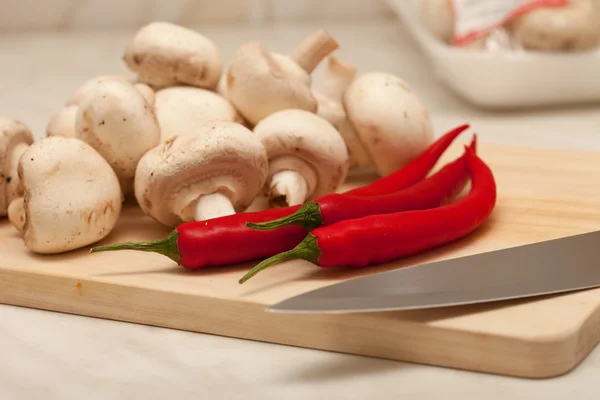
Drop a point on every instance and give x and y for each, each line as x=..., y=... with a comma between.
x=56, y=356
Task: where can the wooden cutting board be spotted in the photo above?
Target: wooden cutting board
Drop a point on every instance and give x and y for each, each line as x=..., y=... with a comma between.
x=543, y=194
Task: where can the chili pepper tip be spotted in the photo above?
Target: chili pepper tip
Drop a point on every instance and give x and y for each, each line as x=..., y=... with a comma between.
x=307, y=250
x=308, y=217
x=473, y=144
x=166, y=246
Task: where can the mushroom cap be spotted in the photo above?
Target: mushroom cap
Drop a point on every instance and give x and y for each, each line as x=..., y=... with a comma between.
x=116, y=120
x=62, y=122
x=574, y=27
x=220, y=156
x=292, y=69
x=392, y=123
x=147, y=92
x=16, y=213
x=91, y=83
x=164, y=54
x=71, y=195
x=181, y=109
x=14, y=138
x=260, y=83
x=309, y=137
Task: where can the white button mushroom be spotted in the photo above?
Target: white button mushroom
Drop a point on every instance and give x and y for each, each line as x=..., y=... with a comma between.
x=91, y=84
x=164, y=54
x=337, y=77
x=215, y=170
x=71, y=196
x=260, y=83
x=15, y=138
x=574, y=27
x=117, y=121
x=62, y=122
x=307, y=156
x=389, y=118
x=180, y=109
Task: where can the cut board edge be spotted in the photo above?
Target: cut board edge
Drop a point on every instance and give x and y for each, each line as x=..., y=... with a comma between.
x=501, y=355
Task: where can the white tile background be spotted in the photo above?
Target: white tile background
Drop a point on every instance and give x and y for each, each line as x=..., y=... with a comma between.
x=19, y=15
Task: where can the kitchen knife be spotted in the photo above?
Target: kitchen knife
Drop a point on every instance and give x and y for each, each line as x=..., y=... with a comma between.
x=553, y=266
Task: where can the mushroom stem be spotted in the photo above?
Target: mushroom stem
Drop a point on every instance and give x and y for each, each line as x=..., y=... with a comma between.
x=312, y=50
x=336, y=78
x=213, y=206
x=288, y=188
x=16, y=213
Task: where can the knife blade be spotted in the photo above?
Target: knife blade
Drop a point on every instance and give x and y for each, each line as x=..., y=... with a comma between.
x=548, y=267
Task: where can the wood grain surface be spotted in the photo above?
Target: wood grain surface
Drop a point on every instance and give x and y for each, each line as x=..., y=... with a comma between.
x=543, y=194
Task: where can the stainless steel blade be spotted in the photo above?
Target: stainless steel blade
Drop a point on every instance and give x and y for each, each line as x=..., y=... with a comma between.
x=554, y=266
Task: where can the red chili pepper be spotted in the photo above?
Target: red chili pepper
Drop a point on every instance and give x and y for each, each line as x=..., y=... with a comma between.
x=414, y=171
x=220, y=241
x=378, y=239
x=227, y=240
x=329, y=209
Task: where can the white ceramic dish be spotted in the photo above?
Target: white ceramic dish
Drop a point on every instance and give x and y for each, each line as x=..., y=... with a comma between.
x=506, y=80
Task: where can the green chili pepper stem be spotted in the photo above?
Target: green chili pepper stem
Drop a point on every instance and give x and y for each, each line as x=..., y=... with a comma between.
x=307, y=250
x=308, y=217
x=166, y=246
